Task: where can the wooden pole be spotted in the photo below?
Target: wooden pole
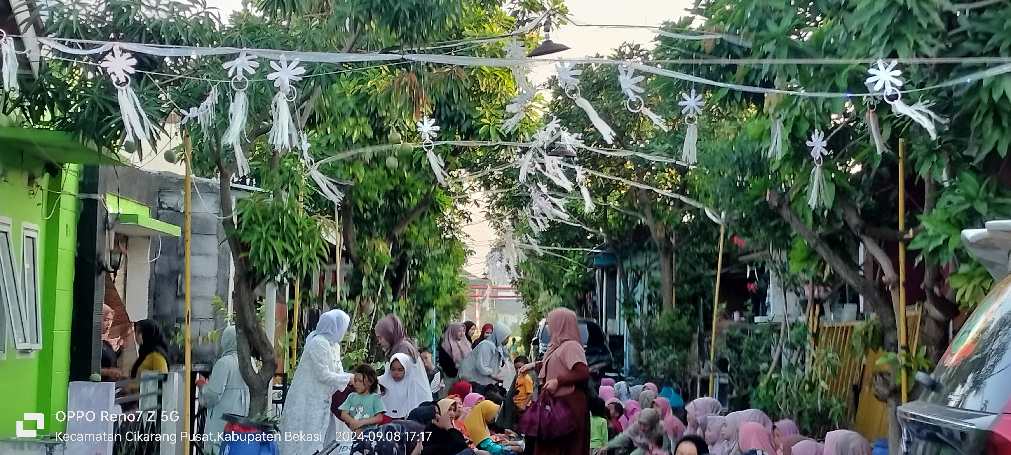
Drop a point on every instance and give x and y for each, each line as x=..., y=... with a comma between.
x=716, y=313
x=339, y=278
x=294, y=325
x=187, y=282
x=903, y=338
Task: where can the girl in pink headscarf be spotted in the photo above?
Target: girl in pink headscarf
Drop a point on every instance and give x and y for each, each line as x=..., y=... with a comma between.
x=737, y=418
x=606, y=393
x=697, y=410
x=781, y=430
x=795, y=445
x=754, y=439
x=651, y=386
x=632, y=409
x=714, y=435
x=846, y=442
x=471, y=400
x=671, y=424
x=607, y=381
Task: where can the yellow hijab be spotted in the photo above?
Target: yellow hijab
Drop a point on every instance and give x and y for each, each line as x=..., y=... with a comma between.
x=478, y=418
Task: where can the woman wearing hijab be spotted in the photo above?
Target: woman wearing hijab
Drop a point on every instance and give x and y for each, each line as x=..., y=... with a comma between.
x=452, y=350
x=781, y=430
x=731, y=431
x=691, y=445
x=486, y=332
x=645, y=436
x=402, y=392
x=675, y=399
x=846, y=442
x=393, y=339
x=754, y=439
x=802, y=446
x=471, y=400
x=718, y=445
x=646, y=399
x=483, y=366
x=152, y=356
x=607, y=381
x=636, y=391
x=319, y=374
x=225, y=392
x=564, y=373
x=673, y=426
x=651, y=386
x=698, y=410
x=477, y=421
x=622, y=392
x=469, y=327
x=443, y=438
x=632, y=410
x=605, y=392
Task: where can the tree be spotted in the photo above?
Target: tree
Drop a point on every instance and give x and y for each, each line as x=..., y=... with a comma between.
x=397, y=224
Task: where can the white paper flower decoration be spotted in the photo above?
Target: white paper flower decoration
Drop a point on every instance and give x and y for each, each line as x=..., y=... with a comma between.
x=243, y=65
x=119, y=65
x=884, y=77
x=570, y=141
x=545, y=136
x=691, y=103
x=568, y=75
x=428, y=129
x=819, y=146
x=630, y=82
x=285, y=73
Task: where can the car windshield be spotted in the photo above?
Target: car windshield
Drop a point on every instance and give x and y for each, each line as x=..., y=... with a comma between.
x=584, y=334
x=974, y=372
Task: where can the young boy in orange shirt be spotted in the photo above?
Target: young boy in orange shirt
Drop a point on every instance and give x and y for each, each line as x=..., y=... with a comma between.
x=524, y=386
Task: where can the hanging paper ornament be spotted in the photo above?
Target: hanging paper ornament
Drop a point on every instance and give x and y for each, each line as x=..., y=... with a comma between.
x=568, y=80
x=691, y=107
x=429, y=131
x=119, y=66
x=283, y=132
x=874, y=127
x=10, y=62
x=326, y=186
x=633, y=92
x=884, y=80
x=776, y=140
x=588, y=205
x=204, y=113
x=544, y=205
x=239, y=69
x=519, y=104
x=819, y=151
x=526, y=162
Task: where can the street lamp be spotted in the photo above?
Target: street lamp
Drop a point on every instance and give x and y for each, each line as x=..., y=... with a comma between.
x=547, y=47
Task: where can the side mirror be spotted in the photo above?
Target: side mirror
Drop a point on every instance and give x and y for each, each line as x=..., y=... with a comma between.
x=927, y=381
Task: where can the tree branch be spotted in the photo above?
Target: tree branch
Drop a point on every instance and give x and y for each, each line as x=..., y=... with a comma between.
x=412, y=216
x=348, y=229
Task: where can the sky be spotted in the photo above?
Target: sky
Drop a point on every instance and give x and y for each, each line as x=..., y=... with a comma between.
x=584, y=42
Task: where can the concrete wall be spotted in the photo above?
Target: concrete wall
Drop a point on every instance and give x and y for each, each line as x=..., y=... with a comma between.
x=36, y=381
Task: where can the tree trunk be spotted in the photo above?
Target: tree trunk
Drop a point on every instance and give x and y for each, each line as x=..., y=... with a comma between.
x=659, y=231
x=253, y=342
x=667, y=277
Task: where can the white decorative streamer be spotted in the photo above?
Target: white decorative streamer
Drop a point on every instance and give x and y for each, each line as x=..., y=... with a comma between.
x=283, y=132
x=919, y=113
x=519, y=104
x=691, y=107
x=884, y=80
x=819, y=151
x=428, y=131
x=136, y=126
x=588, y=205
x=776, y=139
x=568, y=80
x=244, y=65
x=875, y=130
x=633, y=92
x=525, y=163
x=326, y=186
x=10, y=62
x=689, y=151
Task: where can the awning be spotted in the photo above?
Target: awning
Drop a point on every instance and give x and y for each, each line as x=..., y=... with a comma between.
x=991, y=246
x=134, y=219
x=53, y=146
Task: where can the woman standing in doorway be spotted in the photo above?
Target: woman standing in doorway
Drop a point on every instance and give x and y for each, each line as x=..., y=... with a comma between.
x=152, y=356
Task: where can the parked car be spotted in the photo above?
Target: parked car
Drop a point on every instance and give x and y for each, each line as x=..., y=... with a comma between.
x=966, y=404
x=598, y=354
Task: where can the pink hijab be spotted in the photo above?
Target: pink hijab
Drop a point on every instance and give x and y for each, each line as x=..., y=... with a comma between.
x=651, y=386
x=754, y=435
x=606, y=393
x=671, y=424
x=807, y=447
x=631, y=410
x=846, y=442
x=700, y=409
x=607, y=381
x=454, y=342
x=787, y=427
x=714, y=435
x=565, y=350
x=472, y=399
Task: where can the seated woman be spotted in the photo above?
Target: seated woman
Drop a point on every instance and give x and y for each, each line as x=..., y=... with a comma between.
x=477, y=426
x=645, y=436
x=443, y=437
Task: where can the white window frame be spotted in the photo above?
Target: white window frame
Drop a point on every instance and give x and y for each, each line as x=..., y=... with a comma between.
x=31, y=231
x=5, y=228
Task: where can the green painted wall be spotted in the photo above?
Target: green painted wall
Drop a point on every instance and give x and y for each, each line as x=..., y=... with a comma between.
x=37, y=381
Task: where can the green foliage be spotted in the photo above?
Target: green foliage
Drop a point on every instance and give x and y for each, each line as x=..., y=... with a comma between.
x=803, y=394
x=867, y=336
x=282, y=241
x=910, y=361
x=748, y=350
x=662, y=344
x=971, y=284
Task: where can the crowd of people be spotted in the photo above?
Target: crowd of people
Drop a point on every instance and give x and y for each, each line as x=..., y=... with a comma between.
x=474, y=398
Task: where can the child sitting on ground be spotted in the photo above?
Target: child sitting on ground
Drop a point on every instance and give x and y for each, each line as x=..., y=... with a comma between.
x=364, y=407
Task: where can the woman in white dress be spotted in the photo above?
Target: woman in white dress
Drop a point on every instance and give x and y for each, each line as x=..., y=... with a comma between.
x=306, y=422
x=403, y=390
x=225, y=392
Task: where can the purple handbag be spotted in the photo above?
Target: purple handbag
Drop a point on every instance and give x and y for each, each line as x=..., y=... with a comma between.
x=547, y=419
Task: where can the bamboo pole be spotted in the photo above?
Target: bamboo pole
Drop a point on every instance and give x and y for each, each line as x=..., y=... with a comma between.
x=187, y=284
x=903, y=339
x=716, y=313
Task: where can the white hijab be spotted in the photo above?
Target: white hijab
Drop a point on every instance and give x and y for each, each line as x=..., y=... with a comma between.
x=401, y=397
x=332, y=325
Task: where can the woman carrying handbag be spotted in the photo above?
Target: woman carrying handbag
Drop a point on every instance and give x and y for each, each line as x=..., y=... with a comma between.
x=562, y=406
